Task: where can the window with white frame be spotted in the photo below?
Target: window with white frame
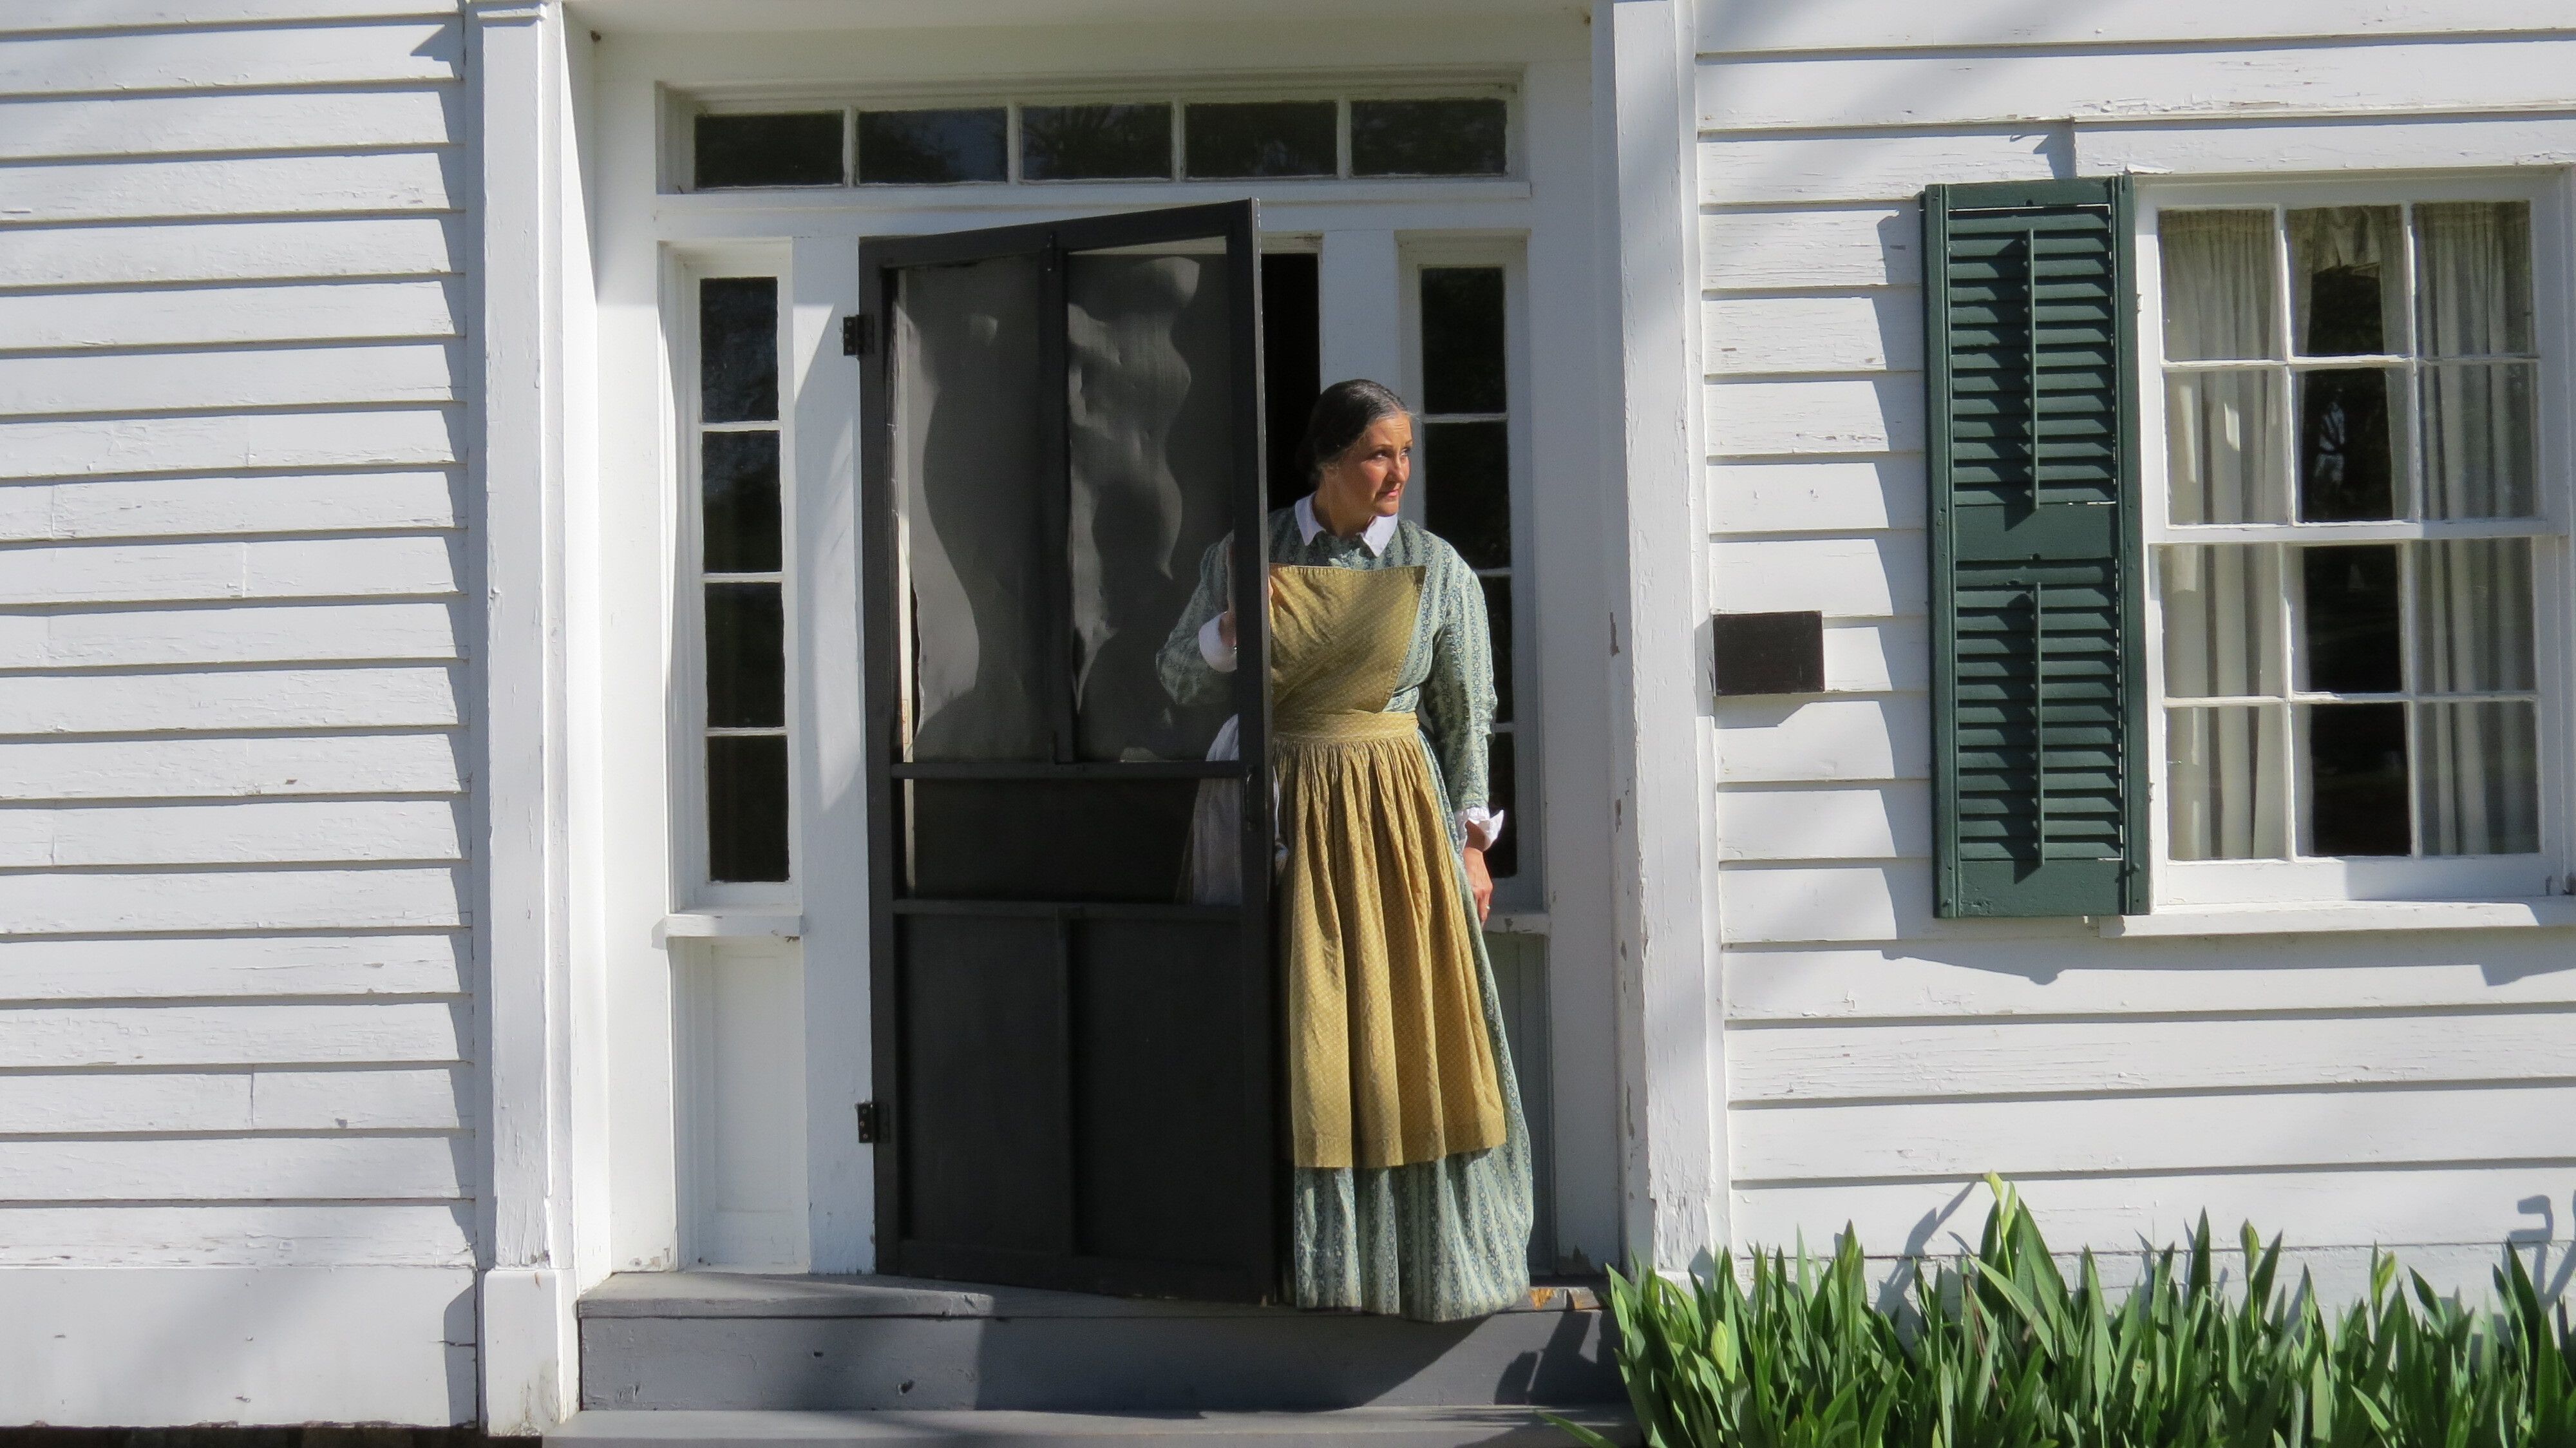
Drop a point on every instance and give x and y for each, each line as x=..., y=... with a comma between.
x=2356, y=523
x=741, y=582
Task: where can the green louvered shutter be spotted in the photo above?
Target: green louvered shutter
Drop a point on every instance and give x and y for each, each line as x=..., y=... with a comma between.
x=2038, y=674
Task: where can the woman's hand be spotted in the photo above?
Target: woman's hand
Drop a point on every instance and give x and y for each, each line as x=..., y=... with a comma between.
x=1480, y=883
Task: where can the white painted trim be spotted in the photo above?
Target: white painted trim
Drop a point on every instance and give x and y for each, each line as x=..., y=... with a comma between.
x=1359, y=283
x=2372, y=915
x=728, y=925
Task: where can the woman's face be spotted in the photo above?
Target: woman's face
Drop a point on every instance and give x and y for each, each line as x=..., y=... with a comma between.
x=1368, y=478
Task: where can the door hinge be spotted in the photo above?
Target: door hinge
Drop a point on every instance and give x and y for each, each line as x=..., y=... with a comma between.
x=858, y=335
x=872, y=1123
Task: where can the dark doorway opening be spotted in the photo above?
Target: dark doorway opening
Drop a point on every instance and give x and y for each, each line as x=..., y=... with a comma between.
x=1292, y=362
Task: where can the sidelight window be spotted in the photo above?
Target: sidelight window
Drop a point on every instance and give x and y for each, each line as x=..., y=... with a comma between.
x=741, y=581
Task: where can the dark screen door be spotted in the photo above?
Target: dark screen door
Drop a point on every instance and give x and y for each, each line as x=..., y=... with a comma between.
x=1073, y=999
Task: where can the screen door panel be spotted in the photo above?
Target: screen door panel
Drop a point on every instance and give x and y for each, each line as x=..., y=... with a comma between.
x=1075, y=1008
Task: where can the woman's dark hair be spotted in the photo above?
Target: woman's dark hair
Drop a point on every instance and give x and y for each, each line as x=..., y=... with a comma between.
x=1342, y=412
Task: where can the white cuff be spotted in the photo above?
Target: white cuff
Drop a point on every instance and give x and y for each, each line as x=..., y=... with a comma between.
x=1480, y=826
x=1213, y=647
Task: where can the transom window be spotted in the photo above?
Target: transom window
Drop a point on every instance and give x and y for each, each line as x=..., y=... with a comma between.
x=2352, y=542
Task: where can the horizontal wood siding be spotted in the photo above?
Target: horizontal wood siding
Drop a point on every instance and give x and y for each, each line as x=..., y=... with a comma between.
x=2407, y=1089
x=235, y=997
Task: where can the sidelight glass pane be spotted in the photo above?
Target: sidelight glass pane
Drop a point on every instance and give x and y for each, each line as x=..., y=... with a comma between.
x=2356, y=789
x=2222, y=620
x=2480, y=441
x=2352, y=454
x=2473, y=259
x=1498, y=630
x=746, y=656
x=916, y=148
x=1150, y=392
x=1462, y=340
x=1502, y=796
x=2223, y=771
x=740, y=483
x=1467, y=489
x=738, y=349
x=985, y=653
x=2347, y=281
x=747, y=807
x=2348, y=610
x=1096, y=143
x=2473, y=616
x=2223, y=443
x=798, y=149
x=2218, y=268
x=1459, y=137
x=2480, y=788
x=1263, y=138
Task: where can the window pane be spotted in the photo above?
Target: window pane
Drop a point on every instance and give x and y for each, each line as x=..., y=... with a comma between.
x=1462, y=340
x=2356, y=778
x=2479, y=453
x=2222, y=620
x=2480, y=792
x=2348, y=620
x=746, y=656
x=741, y=487
x=1095, y=143
x=2473, y=616
x=1502, y=795
x=2223, y=778
x=747, y=807
x=1467, y=489
x=2474, y=262
x=1498, y=625
x=1427, y=138
x=912, y=148
x=2346, y=280
x=1263, y=138
x=791, y=150
x=2223, y=436
x=2218, y=285
x=738, y=349
x=2351, y=434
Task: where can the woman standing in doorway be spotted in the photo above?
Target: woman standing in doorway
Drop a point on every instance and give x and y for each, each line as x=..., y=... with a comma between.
x=1411, y=1162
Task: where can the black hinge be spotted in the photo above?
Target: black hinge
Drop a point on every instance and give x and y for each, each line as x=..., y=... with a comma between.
x=858, y=335
x=872, y=1123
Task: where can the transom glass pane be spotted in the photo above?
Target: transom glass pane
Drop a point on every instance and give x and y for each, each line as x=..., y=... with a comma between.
x=1463, y=137
x=916, y=148
x=1264, y=138
x=2347, y=281
x=1096, y=143
x=796, y=149
x=2218, y=269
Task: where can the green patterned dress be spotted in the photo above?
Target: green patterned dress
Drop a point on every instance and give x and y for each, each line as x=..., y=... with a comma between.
x=1449, y=1238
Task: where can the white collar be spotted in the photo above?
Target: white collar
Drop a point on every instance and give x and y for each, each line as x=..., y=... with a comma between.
x=1379, y=532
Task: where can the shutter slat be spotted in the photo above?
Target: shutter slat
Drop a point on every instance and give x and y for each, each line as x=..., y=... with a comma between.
x=2037, y=679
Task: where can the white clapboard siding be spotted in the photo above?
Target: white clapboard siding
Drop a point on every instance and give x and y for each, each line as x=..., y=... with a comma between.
x=245, y=634
x=1845, y=25
x=1890, y=821
x=323, y=1167
x=1871, y=658
x=56, y=193
x=211, y=251
x=243, y=377
x=207, y=58
x=104, y=126
x=1866, y=331
x=220, y=443
x=1812, y=416
x=1911, y=1059
x=1812, y=495
x=1949, y=88
x=1824, y=740
x=266, y=568
x=1893, y=1140
x=1822, y=247
x=179, y=14
x=185, y=767
x=235, y=832
x=1874, y=576
x=2294, y=144
x=1881, y=166
x=1845, y=902
x=221, y=967
x=375, y=697
x=199, y=506
x=160, y=1103
x=182, y=902
x=260, y=1033
x=179, y=317
x=248, y=1234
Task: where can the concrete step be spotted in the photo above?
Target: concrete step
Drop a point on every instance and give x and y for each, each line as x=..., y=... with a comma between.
x=1372, y=1427
x=729, y=1341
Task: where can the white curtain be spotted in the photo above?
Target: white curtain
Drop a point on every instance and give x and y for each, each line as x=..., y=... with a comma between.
x=2474, y=259
x=2222, y=639
x=2478, y=763
x=2223, y=428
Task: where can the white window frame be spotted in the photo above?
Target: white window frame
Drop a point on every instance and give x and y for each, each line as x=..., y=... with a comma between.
x=691, y=886
x=2193, y=884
